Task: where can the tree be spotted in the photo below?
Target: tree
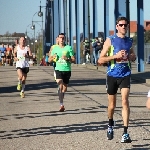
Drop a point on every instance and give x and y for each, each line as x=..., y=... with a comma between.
x=135, y=38
x=7, y=34
x=146, y=37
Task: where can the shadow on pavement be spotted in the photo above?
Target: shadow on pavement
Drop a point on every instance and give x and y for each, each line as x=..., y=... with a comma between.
x=146, y=75
x=53, y=113
x=91, y=126
x=140, y=147
x=43, y=85
x=84, y=82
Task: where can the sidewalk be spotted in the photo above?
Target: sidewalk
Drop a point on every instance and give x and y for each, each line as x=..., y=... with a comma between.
x=143, y=77
x=34, y=123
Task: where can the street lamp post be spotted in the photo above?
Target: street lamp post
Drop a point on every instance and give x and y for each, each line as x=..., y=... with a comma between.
x=26, y=34
x=40, y=14
x=33, y=28
x=26, y=29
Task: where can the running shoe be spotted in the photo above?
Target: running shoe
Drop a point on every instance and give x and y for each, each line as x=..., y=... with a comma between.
x=19, y=87
x=62, y=108
x=22, y=94
x=126, y=138
x=110, y=132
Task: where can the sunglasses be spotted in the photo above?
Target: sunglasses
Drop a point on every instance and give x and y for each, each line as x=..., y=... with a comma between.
x=121, y=25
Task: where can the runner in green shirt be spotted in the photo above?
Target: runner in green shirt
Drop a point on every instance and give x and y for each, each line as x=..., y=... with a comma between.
x=61, y=55
x=64, y=56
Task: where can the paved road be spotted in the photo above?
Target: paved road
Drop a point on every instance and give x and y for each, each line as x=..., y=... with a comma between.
x=34, y=123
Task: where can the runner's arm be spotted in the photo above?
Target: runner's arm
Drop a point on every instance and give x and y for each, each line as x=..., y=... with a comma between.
x=15, y=55
x=72, y=58
x=30, y=53
x=132, y=56
x=103, y=56
x=52, y=56
x=50, y=59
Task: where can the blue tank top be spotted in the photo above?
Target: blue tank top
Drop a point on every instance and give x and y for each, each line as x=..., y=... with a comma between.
x=3, y=49
x=119, y=67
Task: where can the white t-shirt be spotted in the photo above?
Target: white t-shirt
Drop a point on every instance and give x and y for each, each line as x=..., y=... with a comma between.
x=23, y=61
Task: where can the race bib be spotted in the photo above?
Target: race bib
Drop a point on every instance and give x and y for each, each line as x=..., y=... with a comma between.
x=123, y=59
x=21, y=58
x=2, y=54
x=62, y=61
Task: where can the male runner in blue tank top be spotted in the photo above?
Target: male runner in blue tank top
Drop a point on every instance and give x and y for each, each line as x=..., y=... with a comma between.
x=118, y=52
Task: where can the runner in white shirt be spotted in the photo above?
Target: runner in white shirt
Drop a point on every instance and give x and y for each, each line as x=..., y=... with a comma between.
x=21, y=55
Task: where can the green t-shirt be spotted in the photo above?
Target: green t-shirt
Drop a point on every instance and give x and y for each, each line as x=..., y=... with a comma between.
x=61, y=64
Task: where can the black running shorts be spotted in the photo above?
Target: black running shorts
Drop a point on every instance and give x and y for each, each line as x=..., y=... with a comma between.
x=24, y=70
x=113, y=83
x=64, y=75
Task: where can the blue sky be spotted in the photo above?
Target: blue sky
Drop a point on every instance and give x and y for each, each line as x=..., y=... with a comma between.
x=16, y=15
